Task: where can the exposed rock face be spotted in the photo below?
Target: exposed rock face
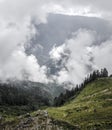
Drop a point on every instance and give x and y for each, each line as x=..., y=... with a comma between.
x=41, y=121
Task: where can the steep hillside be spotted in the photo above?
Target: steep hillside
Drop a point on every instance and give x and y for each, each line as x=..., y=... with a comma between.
x=91, y=109
x=19, y=97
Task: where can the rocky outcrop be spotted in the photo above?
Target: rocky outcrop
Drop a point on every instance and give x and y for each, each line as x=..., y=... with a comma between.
x=39, y=121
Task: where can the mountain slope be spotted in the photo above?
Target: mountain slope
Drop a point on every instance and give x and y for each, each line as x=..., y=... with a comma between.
x=92, y=108
x=28, y=93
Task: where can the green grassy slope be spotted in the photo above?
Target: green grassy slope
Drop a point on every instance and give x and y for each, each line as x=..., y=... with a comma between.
x=92, y=109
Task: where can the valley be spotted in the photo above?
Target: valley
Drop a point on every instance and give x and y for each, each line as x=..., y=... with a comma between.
x=91, y=109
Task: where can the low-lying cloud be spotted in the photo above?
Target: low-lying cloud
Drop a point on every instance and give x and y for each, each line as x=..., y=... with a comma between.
x=84, y=57
x=14, y=62
x=22, y=67
x=16, y=31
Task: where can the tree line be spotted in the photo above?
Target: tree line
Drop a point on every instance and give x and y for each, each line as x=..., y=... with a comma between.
x=34, y=97
x=14, y=95
x=64, y=97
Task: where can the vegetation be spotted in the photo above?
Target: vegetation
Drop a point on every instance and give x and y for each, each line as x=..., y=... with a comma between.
x=64, y=97
x=87, y=107
x=91, y=109
x=14, y=94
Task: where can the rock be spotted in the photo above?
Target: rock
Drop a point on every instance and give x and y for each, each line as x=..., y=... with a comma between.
x=45, y=114
x=27, y=115
x=40, y=122
x=29, y=120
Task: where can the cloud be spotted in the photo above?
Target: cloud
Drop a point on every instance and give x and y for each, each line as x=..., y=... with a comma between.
x=84, y=57
x=15, y=63
x=22, y=67
x=16, y=31
x=100, y=8
x=76, y=66
x=103, y=54
x=20, y=9
x=56, y=52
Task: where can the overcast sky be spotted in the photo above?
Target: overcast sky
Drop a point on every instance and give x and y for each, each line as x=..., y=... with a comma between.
x=16, y=31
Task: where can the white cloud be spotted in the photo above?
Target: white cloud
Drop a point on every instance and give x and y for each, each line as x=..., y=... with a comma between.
x=20, y=9
x=77, y=10
x=100, y=8
x=16, y=29
x=103, y=55
x=84, y=57
x=56, y=52
x=76, y=67
x=20, y=66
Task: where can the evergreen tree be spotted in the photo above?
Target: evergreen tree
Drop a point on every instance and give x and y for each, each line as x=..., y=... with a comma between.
x=74, y=92
x=105, y=72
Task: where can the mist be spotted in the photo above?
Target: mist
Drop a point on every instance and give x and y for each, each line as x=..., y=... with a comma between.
x=84, y=56
x=79, y=54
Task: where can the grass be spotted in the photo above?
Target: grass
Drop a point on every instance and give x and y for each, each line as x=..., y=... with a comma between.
x=10, y=114
x=91, y=109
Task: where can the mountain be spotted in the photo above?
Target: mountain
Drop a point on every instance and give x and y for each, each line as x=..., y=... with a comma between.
x=28, y=93
x=91, y=109
x=61, y=27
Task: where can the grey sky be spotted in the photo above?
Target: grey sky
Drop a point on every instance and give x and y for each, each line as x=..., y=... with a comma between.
x=17, y=30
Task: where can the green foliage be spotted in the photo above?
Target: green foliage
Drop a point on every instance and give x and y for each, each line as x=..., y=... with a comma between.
x=64, y=97
x=16, y=94
x=91, y=109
